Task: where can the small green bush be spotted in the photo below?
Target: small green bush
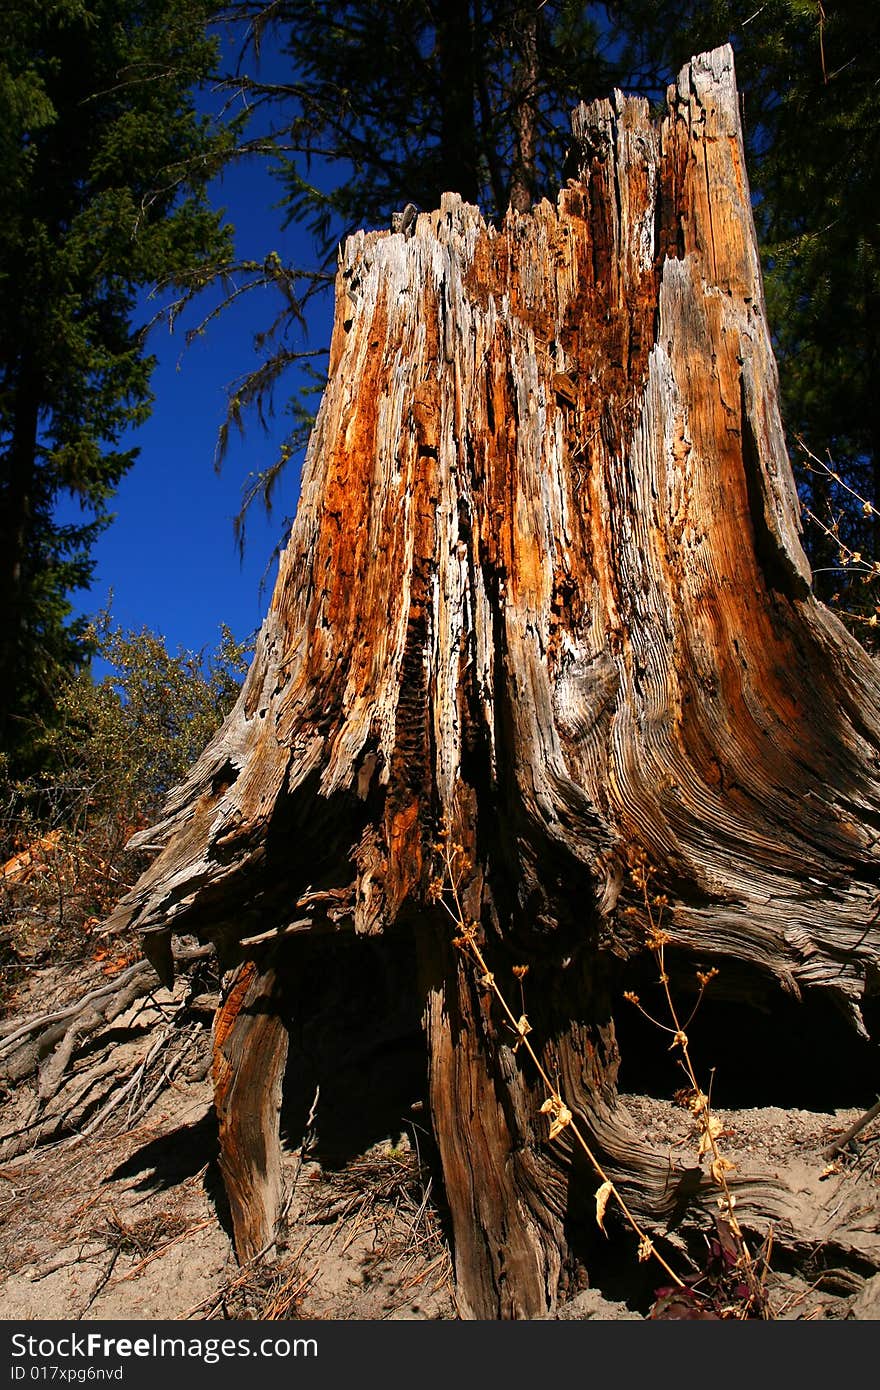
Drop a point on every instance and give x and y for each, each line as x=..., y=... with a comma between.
x=117, y=746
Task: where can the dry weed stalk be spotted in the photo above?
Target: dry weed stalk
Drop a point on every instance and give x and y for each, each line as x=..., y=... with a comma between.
x=752, y=1271
x=734, y=1260
x=560, y=1116
x=850, y=561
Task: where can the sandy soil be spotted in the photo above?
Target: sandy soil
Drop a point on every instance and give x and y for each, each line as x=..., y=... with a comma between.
x=129, y=1221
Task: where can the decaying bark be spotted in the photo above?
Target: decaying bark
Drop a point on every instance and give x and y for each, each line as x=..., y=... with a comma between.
x=250, y=1050
x=546, y=586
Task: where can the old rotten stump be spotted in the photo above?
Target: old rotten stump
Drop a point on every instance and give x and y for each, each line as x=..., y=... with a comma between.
x=545, y=585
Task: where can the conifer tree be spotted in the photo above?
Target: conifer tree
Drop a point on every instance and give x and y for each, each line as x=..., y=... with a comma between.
x=104, y=163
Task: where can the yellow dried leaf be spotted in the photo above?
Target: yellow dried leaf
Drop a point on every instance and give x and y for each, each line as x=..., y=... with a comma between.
x=559, y=1122
x=720, y=1167
x=698, y=1101
x=712, y=1127
x=487, y=980
x=559, y=1113
x=646, y=1249
x=602, y=1196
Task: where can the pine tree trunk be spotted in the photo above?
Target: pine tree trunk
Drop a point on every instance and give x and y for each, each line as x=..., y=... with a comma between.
x=16, y=520
x=545, y=587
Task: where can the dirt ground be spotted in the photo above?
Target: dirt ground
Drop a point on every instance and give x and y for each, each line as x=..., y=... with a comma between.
x=126, y=1218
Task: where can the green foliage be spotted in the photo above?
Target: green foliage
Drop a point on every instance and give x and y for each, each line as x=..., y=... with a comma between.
x=133, y=735
x=410, y=99
x=820, y=228
x=114, y=750
x=104, y=163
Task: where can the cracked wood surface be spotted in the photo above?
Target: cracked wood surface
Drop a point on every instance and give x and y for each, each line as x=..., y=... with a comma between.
x=546, y=584
x=249, y=1055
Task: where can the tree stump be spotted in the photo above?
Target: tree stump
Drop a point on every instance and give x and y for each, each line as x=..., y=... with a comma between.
x=545, y=587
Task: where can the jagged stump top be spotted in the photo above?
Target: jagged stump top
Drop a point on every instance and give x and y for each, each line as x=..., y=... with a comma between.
x=546, y=563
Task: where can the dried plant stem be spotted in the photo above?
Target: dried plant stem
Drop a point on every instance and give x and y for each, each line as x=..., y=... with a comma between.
x=561, y=1116
x=861, y=1123
x=850, y=561
x=700, y=1106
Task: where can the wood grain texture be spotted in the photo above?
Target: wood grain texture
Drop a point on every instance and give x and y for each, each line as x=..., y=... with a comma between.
x=250, y=1052
x=545, y=583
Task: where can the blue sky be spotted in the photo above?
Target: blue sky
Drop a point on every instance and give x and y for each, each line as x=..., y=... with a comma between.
x=169, y=558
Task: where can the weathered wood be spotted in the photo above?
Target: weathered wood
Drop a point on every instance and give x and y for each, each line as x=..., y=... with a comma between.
x=508, y=1249
x=250, y=1052
x=545, y=585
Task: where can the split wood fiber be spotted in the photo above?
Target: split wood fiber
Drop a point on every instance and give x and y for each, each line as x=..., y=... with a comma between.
x=545, y=585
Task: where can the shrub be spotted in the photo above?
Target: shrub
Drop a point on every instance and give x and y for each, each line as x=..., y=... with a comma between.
x=117, y=745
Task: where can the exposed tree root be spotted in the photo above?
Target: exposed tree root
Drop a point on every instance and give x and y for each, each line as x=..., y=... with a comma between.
x=110, y=1053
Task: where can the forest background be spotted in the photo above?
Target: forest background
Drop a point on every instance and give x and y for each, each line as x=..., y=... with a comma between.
x=133, y=135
